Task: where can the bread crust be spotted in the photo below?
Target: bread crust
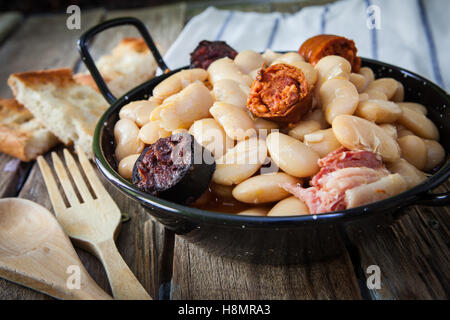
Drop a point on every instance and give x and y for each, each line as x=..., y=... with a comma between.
x=15, y=138
x=61, y=78
x=68, y=109
x=136, y=44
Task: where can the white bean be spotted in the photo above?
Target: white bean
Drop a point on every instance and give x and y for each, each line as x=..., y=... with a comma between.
x=363, y=97
x=225, y=192
x=210, y=135
x=330, y=67
x=322, y=141
x=338, y=96
x=374, y=94
x=182, y=109
x=138, y=111
x=291, y=155
x=308, y=70
x=367, y=73
x=157, y=101
x=178, y=81
x=248, y=60
x=387, y=86
x=358, y=80
x=317, y=115
x=399, y=94
x=263, y=124
x=181, y=130
x=384, y=188
x=269, y=56
x=380, y=111
x=402, y=131
x=225, y=68
x=125, y=167
x=240, y=162
x=418, y=123
x=263, y=188
x=256, y=211
x=231, y=92
x=390, y=129
x=254, y=73
x=289, y=58
x=152, y=131
x=414, y=150
x=435, y=154
x=291, y=206
x=414, y=107
x=357, y=133
x=235, y=121
x=303, y=127
x=410, y=173
x=127, y=142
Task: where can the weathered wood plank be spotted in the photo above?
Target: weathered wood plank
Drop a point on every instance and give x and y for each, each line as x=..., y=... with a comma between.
x=413, y=254
x=34, y=189
x=154, y=243
x=42, y=41
x=8, y=22
x=13, y=173
x=143, y=245
x=199, y=275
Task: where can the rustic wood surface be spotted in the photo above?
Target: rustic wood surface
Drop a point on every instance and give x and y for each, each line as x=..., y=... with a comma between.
x=413, y=254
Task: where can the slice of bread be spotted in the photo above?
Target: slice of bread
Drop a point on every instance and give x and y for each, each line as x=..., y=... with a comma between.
x=21, y=135
x=128, y=65
x=68, y=109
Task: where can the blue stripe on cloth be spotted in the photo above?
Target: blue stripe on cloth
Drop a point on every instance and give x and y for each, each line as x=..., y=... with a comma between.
x=323, y=19
x=373, y=35
x=273, y=33
x=431, y=45
x=224, y=25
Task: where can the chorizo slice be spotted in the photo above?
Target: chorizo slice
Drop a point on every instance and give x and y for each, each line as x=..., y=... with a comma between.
x=280, y=93
x=209, y=51
x=317, y=47
x=175, y=168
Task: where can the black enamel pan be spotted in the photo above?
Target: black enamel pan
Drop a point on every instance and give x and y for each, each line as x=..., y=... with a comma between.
x=271, y=240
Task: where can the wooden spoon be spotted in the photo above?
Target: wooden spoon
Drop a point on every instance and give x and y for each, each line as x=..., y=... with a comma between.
x=35, y=252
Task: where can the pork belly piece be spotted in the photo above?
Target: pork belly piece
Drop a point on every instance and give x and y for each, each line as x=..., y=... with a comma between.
x=383, y=188
x=343, y=171
x=329, y=192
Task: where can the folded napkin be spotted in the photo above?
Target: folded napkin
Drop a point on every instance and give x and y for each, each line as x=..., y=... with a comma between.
x=412, y=34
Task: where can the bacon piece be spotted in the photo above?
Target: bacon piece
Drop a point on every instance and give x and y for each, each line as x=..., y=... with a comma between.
x=317, y=47
x=280, y=93
x=341, y=170
x=344, y=158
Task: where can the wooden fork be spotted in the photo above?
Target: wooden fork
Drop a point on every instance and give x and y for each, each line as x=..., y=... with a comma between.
x=91, y=223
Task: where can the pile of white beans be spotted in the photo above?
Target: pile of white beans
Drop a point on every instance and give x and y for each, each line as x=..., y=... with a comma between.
x=349, y=109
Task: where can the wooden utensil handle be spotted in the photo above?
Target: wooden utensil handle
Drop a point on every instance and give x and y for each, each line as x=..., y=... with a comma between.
x=123, y=283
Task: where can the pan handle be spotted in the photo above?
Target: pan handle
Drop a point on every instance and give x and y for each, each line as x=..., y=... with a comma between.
x=434, y=199
x=82, y=45
x=437, y=199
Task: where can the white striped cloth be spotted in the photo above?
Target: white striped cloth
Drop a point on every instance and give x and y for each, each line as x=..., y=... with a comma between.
x=413, y=34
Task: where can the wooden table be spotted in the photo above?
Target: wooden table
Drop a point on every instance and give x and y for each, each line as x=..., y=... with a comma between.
x=413, y=254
